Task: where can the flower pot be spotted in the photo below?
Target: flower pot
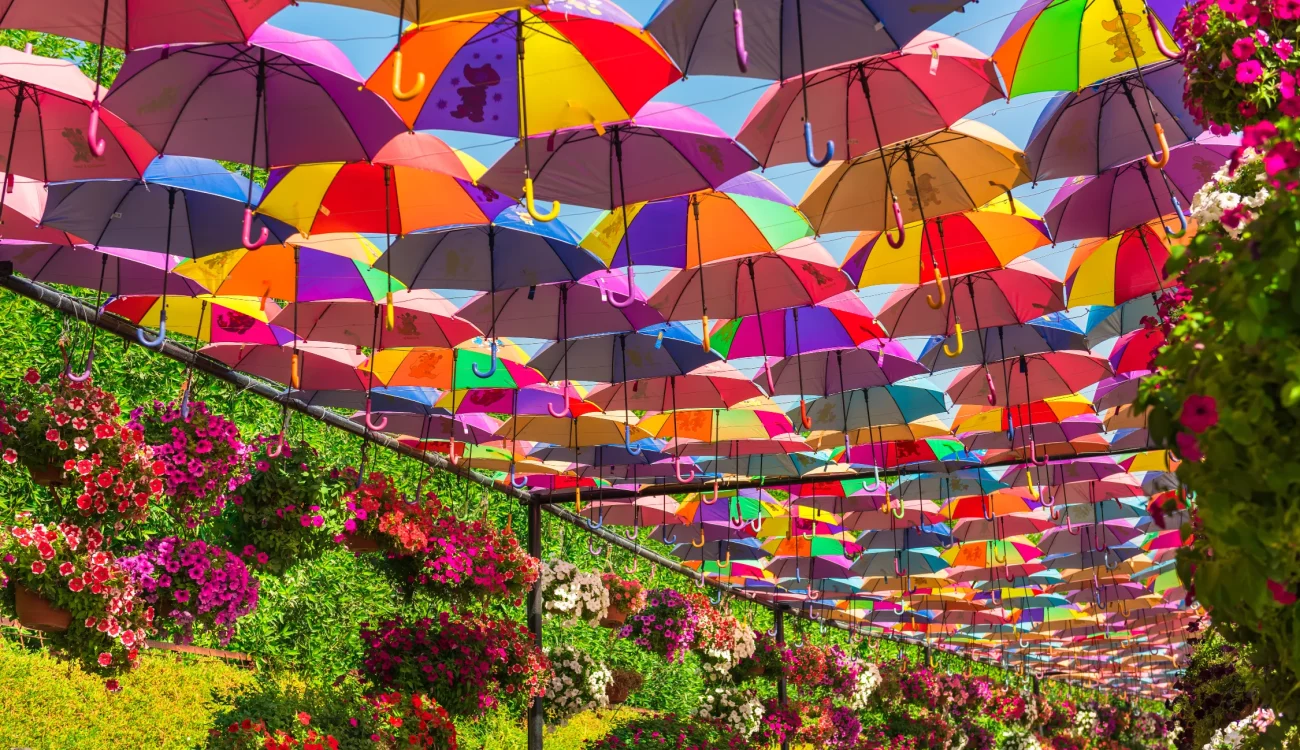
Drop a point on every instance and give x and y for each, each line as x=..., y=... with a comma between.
x=361, y=542
x=38, y=614
x=48, y=475
x=614, y=618
x=758, y=670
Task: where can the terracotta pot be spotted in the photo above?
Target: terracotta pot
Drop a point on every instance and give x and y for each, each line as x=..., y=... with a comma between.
x=361, y=542
x=49, y=475
x=758, y=670
x=38, y=614
x=614, y=618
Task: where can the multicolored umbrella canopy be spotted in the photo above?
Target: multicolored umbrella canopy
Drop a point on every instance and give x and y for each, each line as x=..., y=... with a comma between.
x=1007, y=296
x=785, y=333
x=206, y=318
x=421, y=319
x=716, y=385
x=443, y=368
x=564, y=310
x=143, y=23
x=1065, y=45
x=1117, y=269
x=109, y=271
x=296, y=273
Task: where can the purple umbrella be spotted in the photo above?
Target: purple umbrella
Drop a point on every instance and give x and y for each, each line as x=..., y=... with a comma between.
x=802, y=568
x=556, y=311
x=1118, y=390
x=298, y=95
x=665, y=150
x=476, y=429
x=112, y=271
x=1086, y=132
x=1134, y=193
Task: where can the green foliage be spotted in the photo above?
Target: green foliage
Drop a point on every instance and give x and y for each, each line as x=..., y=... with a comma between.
x=86, y=56
x=276, y=702
x=1213, y=692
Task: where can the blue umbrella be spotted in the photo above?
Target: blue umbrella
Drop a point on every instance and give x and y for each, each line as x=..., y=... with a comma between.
x=183, y=206
x=993, y=345
x=403, y=399
x=895, y=404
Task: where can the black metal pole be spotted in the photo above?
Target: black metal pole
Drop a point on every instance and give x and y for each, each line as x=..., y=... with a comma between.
x=781, y=694
x=536, y=721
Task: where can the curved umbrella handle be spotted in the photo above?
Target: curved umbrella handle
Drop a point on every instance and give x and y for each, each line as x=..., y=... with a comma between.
x=901, y=510
x=756, y=525
x=994, y=546
x=707, y=501
x=808, y=147
x=531, y=204
x=1182, y=220
x=742, y=55
x=898, y=222
x=84, y=375
x=697, y=543
x=993, y=392
x=599, y=523
x=247, y=236
x=811, y=594
x=732, y=519
x=943, y=293
x=492, y=369
x=185, y=399
x=398, y=93
x=379, y=426
x=1160, y=41
x=295, y=377
x=390, y=316
x=677, y=466
x=1070, y=527
x=623, y=303
x=154, y=343
x=276, y=447
x=1033, y=452
x=591, y=546
x=725, y=563
x=659, y=344
x=704, y=323
x=1163, y=160
x=565, y=413
x=627, y=441
x=1105, y=559
x=1020, y=640
x=986, y=507
x=803, y=415
x=92, y=130
x=1097, y=536
x=878, y=484
x=1033, y=489
x=631, y=534
x=663, y=535
x=961, y=343
x=1055, y=512
x=898, y=569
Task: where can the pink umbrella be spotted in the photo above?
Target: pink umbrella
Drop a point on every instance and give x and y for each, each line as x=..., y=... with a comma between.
x=1136, y=351
x=787, y=442
x=558, y=311
x=112, y=271
x=716, y=385
x=786, y=333
x=1029, y=378
x=640, y=511
x=873, y=364
x=312, y=367
x=877, y=101
x=477, y=429
x=132, y=24
x=1007, y=296
x=421, y=318
x=1015, y=524
x=24, y=207
x=532, y=400
x=801, y=273
x=1044, y=433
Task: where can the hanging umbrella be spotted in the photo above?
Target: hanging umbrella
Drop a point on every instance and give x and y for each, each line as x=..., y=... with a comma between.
x=1003, y=297
x=918, y=454
x=1088, y=131
x=797, y=275
x=928, y=85
x=433, y=367
x=421, y=319
x=24, y=206
x=1015, y=524
x=1136, y=351
x=49, y=97
x=950, y=245
x=717, y=426
x=957, y=169
x=556, y=311
x=475, y=429
x=766, y=465
x=1105, y=323
x=622, y=357
x=949, y=484
x=205, y=317
x=428, y=184
x=531, y=399
x=1130, y=195
x=998, y=343
x=990, y=554
x=510, y=253
x=1030, y=377
x=873, y=408
x=1120, y=268
x=111, y=271
x=899, y=563
x=1065, y=431
x=911, y=538
x=195, y=213
x=785, y=443
x=841, y=370
x=132, y=24
x=717, y=385
x=930, y=426
x=592, y=429
x=295, y=272
x=308, y=366
x=743, y=216
x=987, y=506
x=802, y=568
x=786, y=333
x=605, y=460
x=979, y=418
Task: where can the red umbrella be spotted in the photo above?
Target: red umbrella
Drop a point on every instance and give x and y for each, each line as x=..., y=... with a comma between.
x=1029, y=378
x=420, y=318
x=133, y=24
x=1136, y=351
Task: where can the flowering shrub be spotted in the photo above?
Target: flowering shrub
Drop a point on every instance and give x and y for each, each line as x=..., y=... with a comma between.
x=1085, y=723
x=1232, y=197
x=721, y=640
x=466, y=665
x=578, y=683
x=202, y=456
x=71, y=432
x=808, y=666
x=851, y=678
x=668, y=732
x=666, y=626
x=572, y=594
x=249, y=734
x=193, y=583
x=68, y=567
x=741, y=713
x=627, y=595
x=410, y=721
x=779, y=723
x=378, y=509
x=836, y=728
x=285, y=512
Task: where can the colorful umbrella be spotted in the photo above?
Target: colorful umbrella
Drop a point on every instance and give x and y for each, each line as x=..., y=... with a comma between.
x=920, y=455
x=206, y=318
x=978, y=418
x=591, y=429
x=874, y=408
x=1120, y=268
x=621, y=357
x=306, y=365
x=1129, y=195
x=475, y=429
x=414, y=182
x=1007, y=296
x=995, y=344
x=142, y=23
x=989, y=554
x=1030, y=377
x=443, y=368
x=717, y=385
x=421, y=319
x=109, y=270
x=866, y=104
x=717, y=425
x=533, y=399
x=987, y=506
x=558, y=311
x=786, y=333
x=1136, y=351
x=957, y=169
x=25, y=201
x=294, y=272
x=826, y=373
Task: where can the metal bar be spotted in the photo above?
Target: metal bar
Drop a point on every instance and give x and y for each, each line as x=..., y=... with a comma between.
x=536, y=721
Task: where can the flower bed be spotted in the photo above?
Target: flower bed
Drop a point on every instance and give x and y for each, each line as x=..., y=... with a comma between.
x=193, y=584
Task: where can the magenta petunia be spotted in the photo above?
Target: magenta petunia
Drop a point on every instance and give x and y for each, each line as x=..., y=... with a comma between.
x=1249, y=71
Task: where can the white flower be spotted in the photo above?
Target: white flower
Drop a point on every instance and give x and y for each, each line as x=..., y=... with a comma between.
x=578, y=683
x=1018, y=739
x=572, y=594
x=1085, y=722
x=742, y=712
x=1231, y=736
x=868, y=681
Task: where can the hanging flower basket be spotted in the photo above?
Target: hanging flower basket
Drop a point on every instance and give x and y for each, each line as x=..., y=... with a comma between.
x=614, y=617
x=624, y=684
x=361, y=543
x=37, y=613
x=625, y=598
x=48, y=475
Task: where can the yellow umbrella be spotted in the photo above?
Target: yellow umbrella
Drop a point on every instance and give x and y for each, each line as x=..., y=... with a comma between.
x=597, y=428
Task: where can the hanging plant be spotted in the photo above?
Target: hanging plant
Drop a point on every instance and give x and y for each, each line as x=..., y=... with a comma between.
x=410, y=721
x=573, y=595
x=287, y=511
x=578, y=683
x=780, y=723
x=380, y=518
x=738, y=712
x=769, y=658
x=850, y=678
x=665, y=626
x=720, y=640
x=193, y=584
x=202, y=455
x=466, y=665
x=626, y=597
x=89, y=604
x=1018, y=738
x=69, y=435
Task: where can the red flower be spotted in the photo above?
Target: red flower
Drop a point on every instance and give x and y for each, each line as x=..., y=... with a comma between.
x=32, y=377
x=66, y=569
x=77, y=584
x=1200, y=413
x=52, y=435
x=105, y=659
x=10, y=455
x=304, y=717
x=38, y=567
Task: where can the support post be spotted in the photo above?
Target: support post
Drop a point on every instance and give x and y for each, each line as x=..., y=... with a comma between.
x=536, y=721
x=781, y=694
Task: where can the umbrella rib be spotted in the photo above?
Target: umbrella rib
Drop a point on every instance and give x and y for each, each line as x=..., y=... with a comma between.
x=188, y=98
x=40, y=128
x=686, y=64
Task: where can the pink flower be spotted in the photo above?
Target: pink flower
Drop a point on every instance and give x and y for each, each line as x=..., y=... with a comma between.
x=1281, y=157
x=38, y=567
x=1283, y=48
x=1249, y=71
x=1244, y=48
x=32, y=377
x=10, y=455
x=1199, y=413
x=105, y=659
x=1287, y=10
x=1247, y=109
x=1258, y=134
x=1188, y=446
